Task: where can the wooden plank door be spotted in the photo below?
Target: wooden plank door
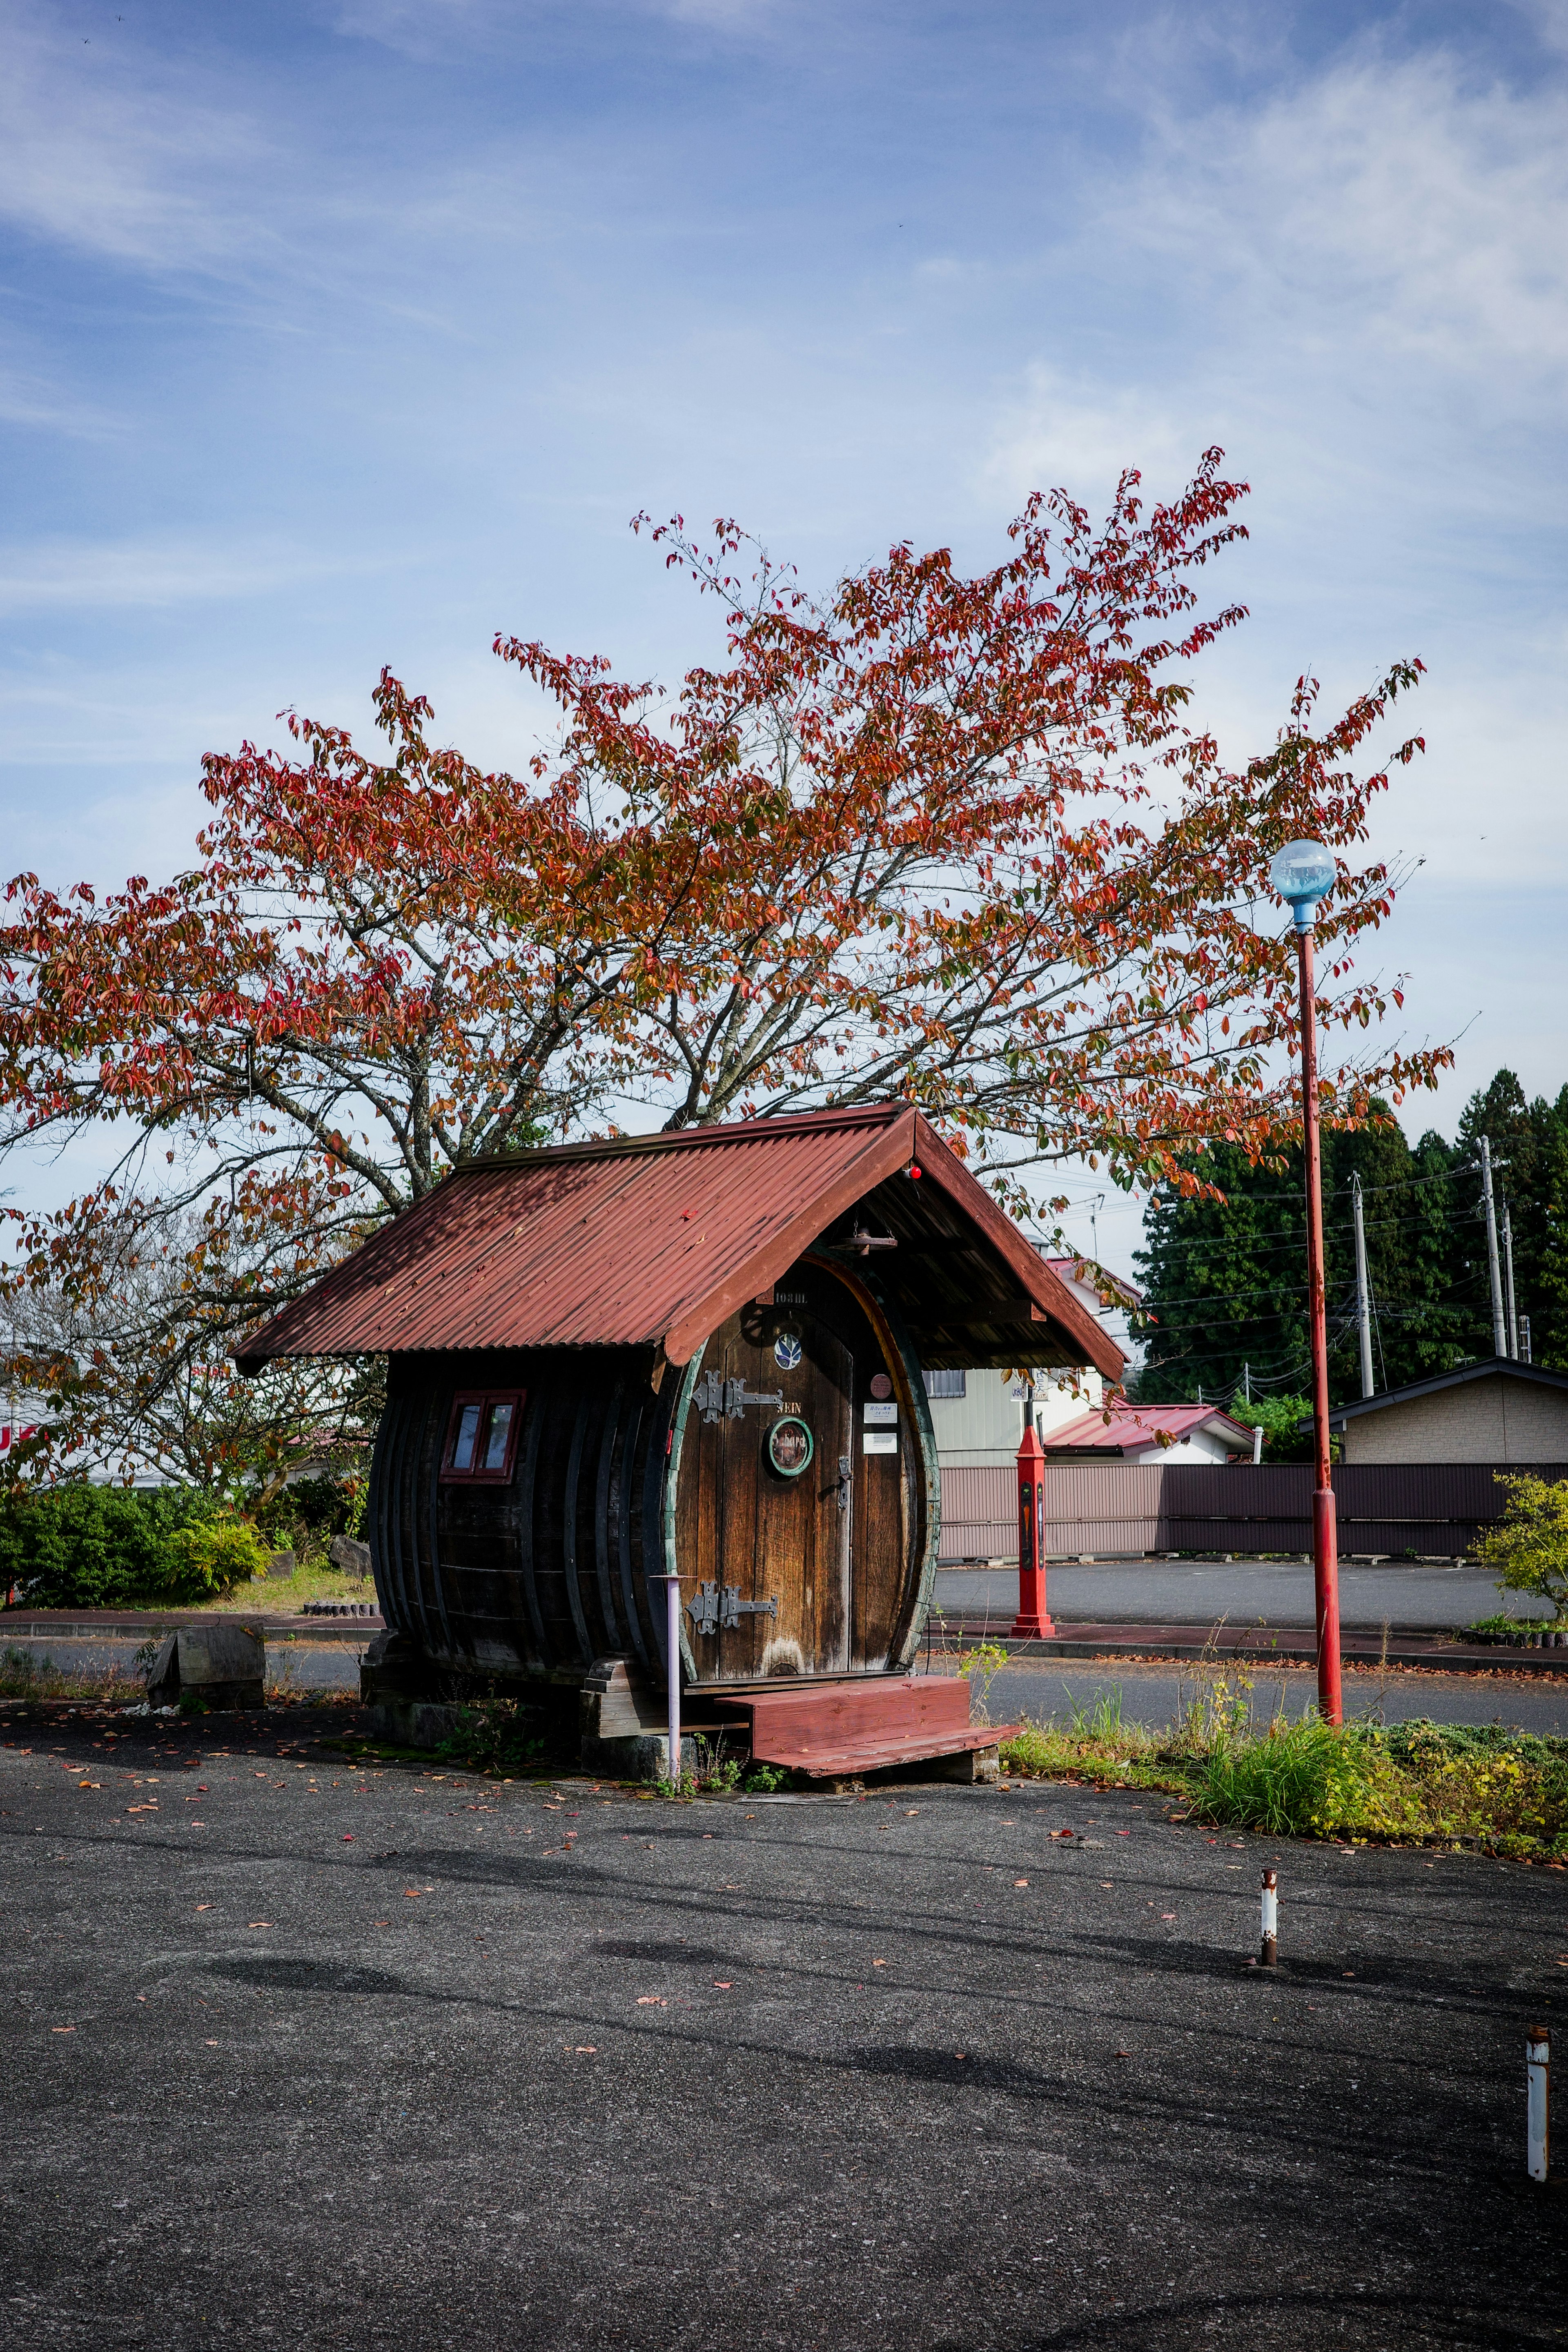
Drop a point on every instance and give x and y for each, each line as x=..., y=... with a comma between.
x=760, y=1522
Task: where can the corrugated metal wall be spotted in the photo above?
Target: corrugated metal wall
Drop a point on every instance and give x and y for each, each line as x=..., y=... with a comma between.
x=1426, y=1508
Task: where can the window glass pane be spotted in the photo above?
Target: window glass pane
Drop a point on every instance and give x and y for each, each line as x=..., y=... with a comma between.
x=496, y=1437
x=468, y=1437
x=943, y=1384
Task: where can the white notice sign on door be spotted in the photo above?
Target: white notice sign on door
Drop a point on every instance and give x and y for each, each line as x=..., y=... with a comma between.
x=880, y=1416
x=880, y=1441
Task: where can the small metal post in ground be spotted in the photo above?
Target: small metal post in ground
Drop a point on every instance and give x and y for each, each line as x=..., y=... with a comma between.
x=1268, y=1941
x=672, y=1665
x=1538, y=2101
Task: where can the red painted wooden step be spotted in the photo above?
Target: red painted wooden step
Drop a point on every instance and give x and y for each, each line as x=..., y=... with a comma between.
x=861, y=1725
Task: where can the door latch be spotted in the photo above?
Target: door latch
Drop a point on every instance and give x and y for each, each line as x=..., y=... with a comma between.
x=846, y=1480
x=723, y=1400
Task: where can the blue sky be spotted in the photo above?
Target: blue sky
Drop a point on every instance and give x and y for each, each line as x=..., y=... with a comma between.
x=333, y=336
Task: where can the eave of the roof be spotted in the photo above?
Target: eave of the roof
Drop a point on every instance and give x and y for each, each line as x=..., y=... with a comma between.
x=452, y=1271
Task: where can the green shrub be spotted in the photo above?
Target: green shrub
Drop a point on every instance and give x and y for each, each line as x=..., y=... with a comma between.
x=1528, y=1547
x=209, y=1555
x=303, y=1518
x=101, y=1547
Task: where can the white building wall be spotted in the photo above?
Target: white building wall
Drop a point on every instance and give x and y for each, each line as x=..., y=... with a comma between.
x=1201, y=1446
x=984, y=1428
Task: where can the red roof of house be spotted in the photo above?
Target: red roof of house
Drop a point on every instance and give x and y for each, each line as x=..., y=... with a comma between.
x=655, y=1240
x=1134, y=1426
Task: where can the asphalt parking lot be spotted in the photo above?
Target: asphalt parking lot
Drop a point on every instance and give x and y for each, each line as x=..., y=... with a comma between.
x=305, y=2055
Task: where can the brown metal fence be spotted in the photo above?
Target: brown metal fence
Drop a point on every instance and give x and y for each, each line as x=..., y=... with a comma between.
x=1433, y=1509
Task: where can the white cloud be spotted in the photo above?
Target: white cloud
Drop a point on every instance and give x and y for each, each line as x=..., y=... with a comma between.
x=1390, y=199
x=1068, y=432
x=98, y=153
x=157, y=573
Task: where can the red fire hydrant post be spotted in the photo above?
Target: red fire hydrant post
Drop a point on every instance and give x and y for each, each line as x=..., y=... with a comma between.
x=1031, y=1624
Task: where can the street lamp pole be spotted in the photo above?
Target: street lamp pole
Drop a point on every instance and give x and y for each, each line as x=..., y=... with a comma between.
x=1302, y=874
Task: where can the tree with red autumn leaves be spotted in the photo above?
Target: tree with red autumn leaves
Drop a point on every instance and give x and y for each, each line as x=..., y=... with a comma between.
x=953, y=838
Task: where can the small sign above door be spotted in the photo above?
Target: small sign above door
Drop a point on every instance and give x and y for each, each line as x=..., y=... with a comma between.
x=880, y=1441
x=880, y=1416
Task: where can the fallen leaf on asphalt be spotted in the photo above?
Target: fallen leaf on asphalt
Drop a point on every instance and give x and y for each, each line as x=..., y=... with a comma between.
x=879, y=1964
x=586, y=2049
x=203, y=1906
x=722, y=1984
x=89, y=1784
x=62, y=2029
x=412, y=1892
x=209, y=2045
x=1167, y=1915
x=651, y=2000
x=259, y=1923
x=348, y=1837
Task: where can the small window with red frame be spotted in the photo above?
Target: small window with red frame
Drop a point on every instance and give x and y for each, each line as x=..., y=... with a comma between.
x=481, y=1437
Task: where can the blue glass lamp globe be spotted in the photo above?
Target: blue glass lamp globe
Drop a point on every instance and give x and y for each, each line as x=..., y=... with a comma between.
x=1302, y=872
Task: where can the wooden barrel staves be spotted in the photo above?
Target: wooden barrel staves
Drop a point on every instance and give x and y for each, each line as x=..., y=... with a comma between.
x=695, y=1353
x=522, y=1499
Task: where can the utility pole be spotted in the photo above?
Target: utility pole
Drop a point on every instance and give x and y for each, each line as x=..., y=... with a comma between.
x=1507, y=1277
x=1363, y=1292
x=1247, y=1382
x=1500, y=1336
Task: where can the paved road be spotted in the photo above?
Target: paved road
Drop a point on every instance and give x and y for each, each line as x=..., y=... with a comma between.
x=1246, y=1592
x=393, y=2061
x=1154, y=1696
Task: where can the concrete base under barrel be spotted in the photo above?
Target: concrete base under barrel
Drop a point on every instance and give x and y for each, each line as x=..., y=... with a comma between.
x=832, y=1730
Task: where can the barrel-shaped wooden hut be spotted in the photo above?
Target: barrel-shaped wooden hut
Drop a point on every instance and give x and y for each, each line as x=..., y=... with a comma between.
x=697, y=1353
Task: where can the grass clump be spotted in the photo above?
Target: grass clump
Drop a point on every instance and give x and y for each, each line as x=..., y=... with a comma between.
x=1482, y=1787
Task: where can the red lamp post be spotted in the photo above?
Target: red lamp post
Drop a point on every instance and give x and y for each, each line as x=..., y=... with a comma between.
x=1031, y=1624
x=1301, y=874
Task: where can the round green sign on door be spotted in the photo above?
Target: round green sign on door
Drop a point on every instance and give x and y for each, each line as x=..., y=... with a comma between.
x=790, y=1446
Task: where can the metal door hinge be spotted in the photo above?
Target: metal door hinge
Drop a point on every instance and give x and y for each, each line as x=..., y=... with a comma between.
x=723, y=1400
x=714, y=1606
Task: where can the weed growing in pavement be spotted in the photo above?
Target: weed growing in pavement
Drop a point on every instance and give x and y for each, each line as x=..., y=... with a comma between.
x=980, y=1667
x=496, y=1734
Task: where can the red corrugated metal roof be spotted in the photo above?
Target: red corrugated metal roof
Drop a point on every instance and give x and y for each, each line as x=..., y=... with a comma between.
x=645, y=1240
x=1142, y=1425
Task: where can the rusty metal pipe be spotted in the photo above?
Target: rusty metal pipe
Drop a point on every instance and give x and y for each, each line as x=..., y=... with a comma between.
x=1538, y=2101
x=1269, y=1923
